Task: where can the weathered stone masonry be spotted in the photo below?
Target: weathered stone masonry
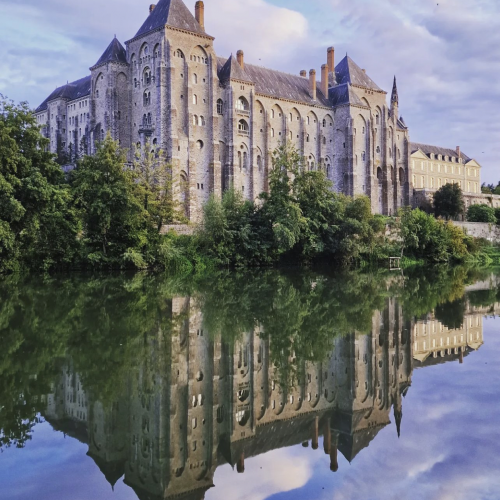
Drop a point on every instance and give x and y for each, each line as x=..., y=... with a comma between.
x=218, y=120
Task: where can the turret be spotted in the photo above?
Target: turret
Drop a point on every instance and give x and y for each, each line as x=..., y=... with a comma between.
x=394, y=100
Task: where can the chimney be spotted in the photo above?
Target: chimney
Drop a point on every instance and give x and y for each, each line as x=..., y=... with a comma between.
x=315, y=434
x=199, y=13
x=324, y=79
x=303, y=73
x=305, y=444
x=334, y=465
x=312, y=84
x=327, y=438
x=364, y=71
x=240, y=56
x=459, y=154
x=330, y=59
x=152, y=7
x=240, y=466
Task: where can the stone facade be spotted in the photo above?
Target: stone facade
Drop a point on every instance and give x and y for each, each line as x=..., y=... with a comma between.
x=218, y=120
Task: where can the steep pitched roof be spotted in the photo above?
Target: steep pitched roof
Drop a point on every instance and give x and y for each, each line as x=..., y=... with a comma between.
x=427, y=149
x=344, y=94
x=347, y=71
x=394, y=95
x=274, y=83
x=114, y=53
x=172, y=13
x=232, y=71
x=71, y=91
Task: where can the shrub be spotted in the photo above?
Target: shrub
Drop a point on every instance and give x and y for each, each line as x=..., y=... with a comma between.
x=481, y=213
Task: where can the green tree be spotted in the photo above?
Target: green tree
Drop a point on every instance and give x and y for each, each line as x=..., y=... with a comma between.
x=112, y=211
x=481, y=213
x=449, y=201
x=38, y=225
x=497, y=214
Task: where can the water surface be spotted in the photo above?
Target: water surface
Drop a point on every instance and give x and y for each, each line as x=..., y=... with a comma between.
x=283, y=385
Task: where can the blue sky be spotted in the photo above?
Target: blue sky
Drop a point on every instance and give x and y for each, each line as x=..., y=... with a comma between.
x=445, y=53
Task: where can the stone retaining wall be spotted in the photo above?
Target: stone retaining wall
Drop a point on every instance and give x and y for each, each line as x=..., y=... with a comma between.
x=180, y=229
x=491, y=232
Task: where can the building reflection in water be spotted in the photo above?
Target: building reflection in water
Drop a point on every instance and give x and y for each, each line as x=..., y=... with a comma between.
x=218, y=402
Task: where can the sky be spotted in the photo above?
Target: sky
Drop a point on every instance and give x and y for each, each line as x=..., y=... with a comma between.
x=445, y=53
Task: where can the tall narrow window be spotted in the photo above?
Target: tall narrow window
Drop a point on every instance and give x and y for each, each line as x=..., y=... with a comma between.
x=220, y=107
x=195, y=78
x=195, y=99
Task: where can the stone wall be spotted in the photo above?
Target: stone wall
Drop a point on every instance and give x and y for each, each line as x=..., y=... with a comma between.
x=491, y=232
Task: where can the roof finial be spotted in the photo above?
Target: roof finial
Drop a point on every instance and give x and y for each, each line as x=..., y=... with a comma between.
x=395, y=97
x=115, y=35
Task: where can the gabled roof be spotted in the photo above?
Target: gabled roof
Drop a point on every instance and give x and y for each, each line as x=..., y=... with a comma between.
x=232, y=71
x=172, y=13
x=274, y=83
x=427, y=149
x=70, y=92
x=114, y=53
x=347, y=71
x=344, y=94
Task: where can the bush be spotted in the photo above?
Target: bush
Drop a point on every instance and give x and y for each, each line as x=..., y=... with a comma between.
x=481, y=213
x=497, y=214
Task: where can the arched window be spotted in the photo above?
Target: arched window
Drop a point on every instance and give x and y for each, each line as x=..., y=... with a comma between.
x=243, y=126
x=179, y=53
x=377, y=119
x=401, y=177
x=272, y=113
x=195, y=120
x=379, y=175
x=324, y=123
x=242, y=104
x=308, y=120
x=245, y=160
x=324, y=140
x=199, y=144
x=378, y=149
x=240, y=161
x=97, y=93
x=363, y=156
x=307, y=137
x=195, y=78
x=291, y=117
x=147, y=98
x=149, y=118
x=144, y=120
x=195, y=99
x=201, y=121
x=220, y=106
x=259, y=162
x=146, y=76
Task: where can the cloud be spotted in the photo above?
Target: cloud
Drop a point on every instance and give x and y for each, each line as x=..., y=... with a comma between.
x=445, y=54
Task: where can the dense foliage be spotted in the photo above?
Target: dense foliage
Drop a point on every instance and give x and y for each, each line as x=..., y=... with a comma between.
x=490, y=188
x=449, y=201
x=481, y=213
x=109, y=214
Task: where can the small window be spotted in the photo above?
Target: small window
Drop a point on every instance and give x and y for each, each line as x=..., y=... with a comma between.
x=195, y=78
x=195, y=99
x=220, y=107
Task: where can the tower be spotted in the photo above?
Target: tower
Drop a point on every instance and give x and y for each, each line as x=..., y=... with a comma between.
x=109, y=96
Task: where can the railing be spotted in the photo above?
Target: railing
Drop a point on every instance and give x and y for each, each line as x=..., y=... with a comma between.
x=147, y=128
x=244, y=112
x=245, y=133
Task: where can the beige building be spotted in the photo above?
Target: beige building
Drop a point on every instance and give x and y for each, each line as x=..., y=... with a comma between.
x=432, y=167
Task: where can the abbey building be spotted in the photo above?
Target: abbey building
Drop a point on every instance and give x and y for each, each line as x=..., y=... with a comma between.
x=218, y=119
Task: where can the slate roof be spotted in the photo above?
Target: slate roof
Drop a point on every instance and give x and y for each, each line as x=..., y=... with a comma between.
x=172, y=13
x=274, y=83
x=344, y=94
x=347, y=71
x=114, y=53
x=71, y=91
x=427, y=149
x=232, y=70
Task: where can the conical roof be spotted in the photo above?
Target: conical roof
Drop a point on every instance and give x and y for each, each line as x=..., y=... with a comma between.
x=233, y=71
x=347, y=71
x=172, y=13
x=394, y=96
x=114, y=53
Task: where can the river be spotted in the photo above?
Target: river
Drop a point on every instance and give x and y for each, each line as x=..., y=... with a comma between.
x=292, y=384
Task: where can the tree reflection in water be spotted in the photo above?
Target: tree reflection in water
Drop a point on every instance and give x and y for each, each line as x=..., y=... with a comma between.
x=165, y=380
